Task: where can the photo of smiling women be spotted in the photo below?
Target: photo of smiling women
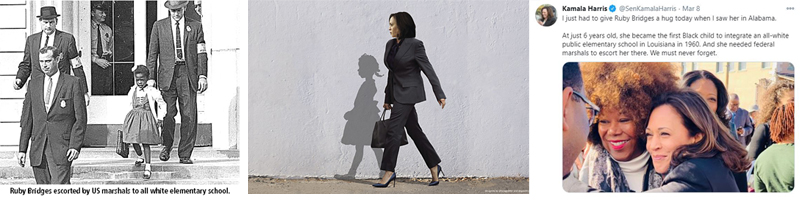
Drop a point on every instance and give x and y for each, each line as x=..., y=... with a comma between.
x=615, y=159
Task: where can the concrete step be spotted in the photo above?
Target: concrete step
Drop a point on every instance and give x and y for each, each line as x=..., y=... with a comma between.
x=109, y=152
x=127, y=175
x=104, y=166
x=121, y=168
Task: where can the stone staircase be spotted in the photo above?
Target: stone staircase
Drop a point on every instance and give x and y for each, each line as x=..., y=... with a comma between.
x=100, y=166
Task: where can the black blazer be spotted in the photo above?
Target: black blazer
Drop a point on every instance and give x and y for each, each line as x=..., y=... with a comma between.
x=63, y=126
x=549, y=22
x=405, y=82
x=699, y=175
x=759, y=142
x=65, y=42
x=161, y=55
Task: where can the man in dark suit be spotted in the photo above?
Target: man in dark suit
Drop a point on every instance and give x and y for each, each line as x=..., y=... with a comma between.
x=54, y=121
x=178, y=67
x=50, y=36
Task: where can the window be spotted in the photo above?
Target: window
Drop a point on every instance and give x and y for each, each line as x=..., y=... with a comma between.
x=117, y=78
x=683, y=68
x=742, y=66
x=730, y=67
x=694, y=66
x=764, y=65
x=720, y=67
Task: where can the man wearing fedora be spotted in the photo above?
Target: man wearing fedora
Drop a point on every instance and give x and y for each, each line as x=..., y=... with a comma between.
x=178, y=64
x=50, y=36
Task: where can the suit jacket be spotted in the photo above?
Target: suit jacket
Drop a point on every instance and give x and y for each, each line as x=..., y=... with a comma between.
x=162, y=49
x=699, y=175
x=155, y=100
x=405, y=84
x=30, y=60
x=63, y=126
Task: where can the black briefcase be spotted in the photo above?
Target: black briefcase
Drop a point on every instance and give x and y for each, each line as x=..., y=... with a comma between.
x=122, y=147
x=380, y=134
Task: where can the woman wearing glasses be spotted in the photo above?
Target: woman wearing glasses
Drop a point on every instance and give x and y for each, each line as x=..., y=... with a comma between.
x=615, y=159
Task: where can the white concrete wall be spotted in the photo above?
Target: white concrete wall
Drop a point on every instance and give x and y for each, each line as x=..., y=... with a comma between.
x=303, y=62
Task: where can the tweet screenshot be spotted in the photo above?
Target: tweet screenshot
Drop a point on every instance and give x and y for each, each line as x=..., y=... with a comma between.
x=665, y=96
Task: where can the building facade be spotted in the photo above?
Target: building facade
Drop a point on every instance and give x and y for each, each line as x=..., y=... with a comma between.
x=746, y=79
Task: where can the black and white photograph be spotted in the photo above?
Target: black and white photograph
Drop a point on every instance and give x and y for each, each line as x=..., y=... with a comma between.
x=121, y=92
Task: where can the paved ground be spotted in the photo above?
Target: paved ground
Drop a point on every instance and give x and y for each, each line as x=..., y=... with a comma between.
x=264, y=185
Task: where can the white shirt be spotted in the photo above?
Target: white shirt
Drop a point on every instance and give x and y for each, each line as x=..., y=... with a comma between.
x=52, y=90
x=635, y=170
x=182, y=22
x=49, y=43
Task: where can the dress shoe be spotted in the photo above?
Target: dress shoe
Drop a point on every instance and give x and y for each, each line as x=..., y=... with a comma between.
x=139, y=162
x=147, y=171
x=186, y=161
x=164, y=156
x=392, y=180
x=438, y=172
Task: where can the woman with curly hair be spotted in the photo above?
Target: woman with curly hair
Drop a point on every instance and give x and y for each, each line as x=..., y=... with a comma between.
x=774, y=170
x=615, y=159
x=778, y=94
x=691, y=147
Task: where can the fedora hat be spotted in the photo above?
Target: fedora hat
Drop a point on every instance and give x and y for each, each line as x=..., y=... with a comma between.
x=48, y=12
x=99, y=5
x=175, y=4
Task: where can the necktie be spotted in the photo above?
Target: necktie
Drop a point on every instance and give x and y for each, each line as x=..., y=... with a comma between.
x=46, y=40
x=99, y=42
x=47, y=95
x=178, y=40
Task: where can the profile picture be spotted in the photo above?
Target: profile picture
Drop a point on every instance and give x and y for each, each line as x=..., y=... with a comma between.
x=546, y=15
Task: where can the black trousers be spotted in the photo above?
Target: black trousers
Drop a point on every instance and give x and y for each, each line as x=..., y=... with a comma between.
x=180, y=95
x=102, y=80
x=405, y=116
x=48, y=172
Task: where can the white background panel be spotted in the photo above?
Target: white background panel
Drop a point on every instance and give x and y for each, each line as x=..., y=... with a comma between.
x=12, y=108
x=10, y=134
x=9, y=63
x=6, y=90
x=13, y=39
x=13, y=16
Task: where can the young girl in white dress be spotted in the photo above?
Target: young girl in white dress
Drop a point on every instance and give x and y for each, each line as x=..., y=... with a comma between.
x=146, y=115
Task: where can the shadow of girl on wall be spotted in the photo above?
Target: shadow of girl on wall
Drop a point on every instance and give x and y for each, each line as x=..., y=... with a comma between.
x=362, y=118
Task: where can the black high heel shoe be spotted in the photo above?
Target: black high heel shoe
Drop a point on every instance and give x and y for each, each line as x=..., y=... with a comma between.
x=383, y=185
x=439, y=171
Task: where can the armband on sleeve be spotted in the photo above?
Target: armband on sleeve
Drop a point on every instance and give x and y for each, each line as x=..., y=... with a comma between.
x=201, y=48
